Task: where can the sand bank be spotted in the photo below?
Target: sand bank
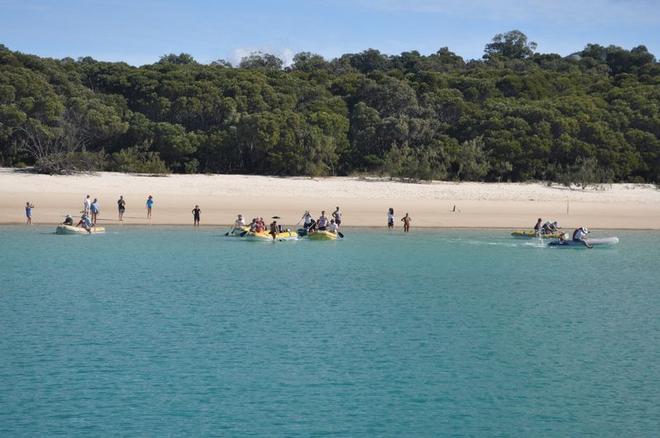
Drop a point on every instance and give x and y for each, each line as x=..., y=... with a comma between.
x=364, y=202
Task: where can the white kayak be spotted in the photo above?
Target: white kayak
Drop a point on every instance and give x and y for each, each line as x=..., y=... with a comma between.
x=603, y=241
x=70, y=229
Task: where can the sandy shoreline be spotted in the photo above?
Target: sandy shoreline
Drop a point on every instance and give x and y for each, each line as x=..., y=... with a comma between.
x=364, y=202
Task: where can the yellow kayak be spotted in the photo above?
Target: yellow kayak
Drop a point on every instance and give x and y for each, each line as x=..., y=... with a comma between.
x=70, y=229
x=236, y=231
x=532, y=234
x=322, y=235
x=267, y=237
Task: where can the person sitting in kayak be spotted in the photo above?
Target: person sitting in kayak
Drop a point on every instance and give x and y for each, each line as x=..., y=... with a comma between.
x=333, y=227
x=253, y=225
x=549, y=227
x=85, y=222
x=580, y=235
x=539, y=226
x=322, y=222
x=68, y=220
x=307, y=219
x=311, y=227
x=239, y=222
x=261, y=225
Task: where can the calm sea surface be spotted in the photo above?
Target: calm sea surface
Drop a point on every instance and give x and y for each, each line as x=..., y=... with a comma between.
x=175, y=331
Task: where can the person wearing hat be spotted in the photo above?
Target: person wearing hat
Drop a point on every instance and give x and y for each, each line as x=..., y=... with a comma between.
x=580, y=235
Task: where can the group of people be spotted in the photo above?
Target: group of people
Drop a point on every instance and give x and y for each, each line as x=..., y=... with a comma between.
x=546, y=227
x=91, y=209
x=579, y=235
x=390, y=220
x=258, y=225
x=322, y=223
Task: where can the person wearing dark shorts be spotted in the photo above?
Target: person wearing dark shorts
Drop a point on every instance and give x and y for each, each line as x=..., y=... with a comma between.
x=121, y=207
x=337, y=216
x=196, y=213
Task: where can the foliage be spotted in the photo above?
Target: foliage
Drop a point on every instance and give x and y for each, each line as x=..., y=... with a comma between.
x=515, y=115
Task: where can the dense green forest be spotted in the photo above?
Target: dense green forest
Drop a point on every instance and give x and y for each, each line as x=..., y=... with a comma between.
x=515, y=115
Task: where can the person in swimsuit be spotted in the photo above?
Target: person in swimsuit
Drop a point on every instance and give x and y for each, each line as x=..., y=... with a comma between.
x=538, y=226
x=121, y=207
x=337, y=216
x=406, y=223
x=390, y=219
x=274, y=229
x=28, y=213
x=150, y=205
x=196, y=212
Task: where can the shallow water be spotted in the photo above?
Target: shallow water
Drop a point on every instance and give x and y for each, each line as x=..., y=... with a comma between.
x=172, y=331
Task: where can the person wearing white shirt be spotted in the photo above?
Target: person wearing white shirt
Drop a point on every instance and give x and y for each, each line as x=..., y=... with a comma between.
x=87, y=204
x=580, y=235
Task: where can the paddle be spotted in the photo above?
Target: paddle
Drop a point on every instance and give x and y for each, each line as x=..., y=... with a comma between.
x=244, y=233
x=339, y=233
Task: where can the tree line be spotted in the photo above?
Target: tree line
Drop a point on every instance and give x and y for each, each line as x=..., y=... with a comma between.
x=514, y=115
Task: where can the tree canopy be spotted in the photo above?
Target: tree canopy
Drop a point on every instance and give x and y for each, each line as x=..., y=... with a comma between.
x=515, y=115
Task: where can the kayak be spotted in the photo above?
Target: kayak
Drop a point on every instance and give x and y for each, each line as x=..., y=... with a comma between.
x=603, y=241
x=322, y=235
x=529, y=234
x=267, y=237
x=70, y=229
x=236, y=231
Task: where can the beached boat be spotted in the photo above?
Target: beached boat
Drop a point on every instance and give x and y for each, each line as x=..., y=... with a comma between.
x=70, y=229
x=322, y=235
x=267, y=237
x=529, y=234
x=603, y=241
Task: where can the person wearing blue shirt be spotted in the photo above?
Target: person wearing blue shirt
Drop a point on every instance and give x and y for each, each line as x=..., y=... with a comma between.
x=150, y=204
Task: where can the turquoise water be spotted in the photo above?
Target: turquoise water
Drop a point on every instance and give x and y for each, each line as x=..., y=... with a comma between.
x=157, y=331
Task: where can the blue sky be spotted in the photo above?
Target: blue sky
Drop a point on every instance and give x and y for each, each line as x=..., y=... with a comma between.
x=140, y=31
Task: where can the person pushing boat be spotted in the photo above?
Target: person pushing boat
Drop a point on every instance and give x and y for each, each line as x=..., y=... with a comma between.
x=539, y=226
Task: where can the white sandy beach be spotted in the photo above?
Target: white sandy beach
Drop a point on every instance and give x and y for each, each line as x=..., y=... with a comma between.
x=364, y=202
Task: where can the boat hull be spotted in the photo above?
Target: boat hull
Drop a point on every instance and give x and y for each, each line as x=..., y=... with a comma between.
x=322, y=235
x=267, y=237
x=603, y=241
x=69, y=229
x=531, y=234
x=236, y=232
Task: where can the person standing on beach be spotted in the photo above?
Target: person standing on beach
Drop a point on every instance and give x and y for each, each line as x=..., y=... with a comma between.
x=337, y=216
x=87, y=204
x=94, y=209
x=28, y=213
x=150, y=205
x=121, y=207
x=196, y=212
x=406, y=223
x=390, y=218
